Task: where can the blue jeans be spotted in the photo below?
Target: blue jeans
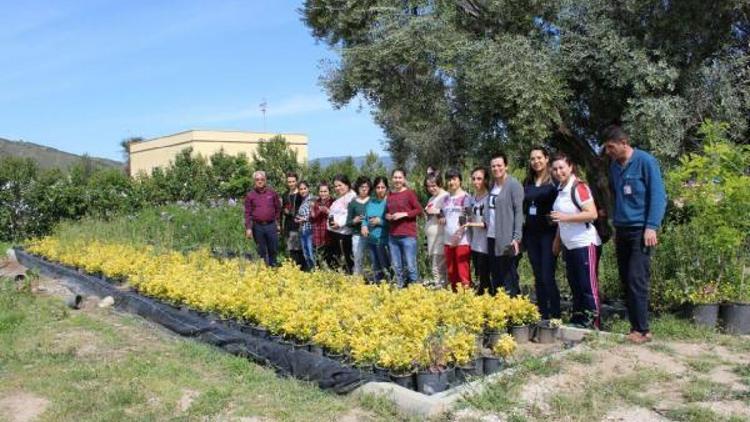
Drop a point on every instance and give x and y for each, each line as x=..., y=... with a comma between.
x=404, y=259
x=307, y=249
x=267, y=240
x=381, y=262
x=359, y=246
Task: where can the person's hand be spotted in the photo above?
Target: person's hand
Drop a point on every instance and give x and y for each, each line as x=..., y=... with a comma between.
x=374, y=221
x=365, y=231
x=441, y=221
x=323, y=208
x=298, y=219
x=249, y=234
x=516, y=246
x=400, y=215
x=389, y=216
x=278, y=228
x=649, y=238
x=335, y=226
x=357, y=219
x=558, y=216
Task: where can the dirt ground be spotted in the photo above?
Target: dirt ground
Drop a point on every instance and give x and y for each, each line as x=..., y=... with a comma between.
x=606, y=379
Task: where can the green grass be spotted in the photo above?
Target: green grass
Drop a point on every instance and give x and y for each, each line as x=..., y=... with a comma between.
x=702, y=389
x=584, y=358
x=97, y=365
x=704, y=363
x=672, y=327
x=600, y=395
x=662, y=348
x=693, y=413
x=743, y=370
x=502, y=395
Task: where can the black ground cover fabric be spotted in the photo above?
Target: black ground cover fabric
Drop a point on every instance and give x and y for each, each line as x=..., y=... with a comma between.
x=329, y=374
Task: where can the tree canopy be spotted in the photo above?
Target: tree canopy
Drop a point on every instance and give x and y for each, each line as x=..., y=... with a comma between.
x=455, y=79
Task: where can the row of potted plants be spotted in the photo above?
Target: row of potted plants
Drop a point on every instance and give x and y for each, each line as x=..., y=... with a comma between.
x=402, y=330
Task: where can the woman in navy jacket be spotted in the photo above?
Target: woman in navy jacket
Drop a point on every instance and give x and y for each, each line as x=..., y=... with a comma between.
x=539, y=231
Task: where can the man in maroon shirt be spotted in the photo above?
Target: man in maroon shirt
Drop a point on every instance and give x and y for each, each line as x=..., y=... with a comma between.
x=262, y=217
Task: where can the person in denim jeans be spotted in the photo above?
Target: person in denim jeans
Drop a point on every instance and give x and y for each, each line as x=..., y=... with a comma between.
x=354, y=219
x=375, y=230
x=305, y=227
x=402, y=210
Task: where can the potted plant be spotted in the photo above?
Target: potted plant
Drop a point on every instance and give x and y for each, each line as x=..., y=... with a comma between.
x=496, y=318
x=435, y=374
x=547, y=330
x=523, y=314
x=397, y=356
x=504, y=348
x=703, y=304
x=735, y=312
x=469, y=365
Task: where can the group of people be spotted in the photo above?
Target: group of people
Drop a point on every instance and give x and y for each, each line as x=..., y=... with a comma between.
x=551, y=211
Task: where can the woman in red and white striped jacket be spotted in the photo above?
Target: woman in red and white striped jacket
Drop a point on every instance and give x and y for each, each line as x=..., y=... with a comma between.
x=574, y=211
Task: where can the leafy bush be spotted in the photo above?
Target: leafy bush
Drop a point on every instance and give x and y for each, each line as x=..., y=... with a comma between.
x=704, y=248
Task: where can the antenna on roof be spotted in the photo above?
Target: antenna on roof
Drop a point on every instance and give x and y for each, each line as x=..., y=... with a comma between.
x=263, y=107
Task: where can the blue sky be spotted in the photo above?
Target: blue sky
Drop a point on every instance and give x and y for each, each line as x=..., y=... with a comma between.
x=81, y=76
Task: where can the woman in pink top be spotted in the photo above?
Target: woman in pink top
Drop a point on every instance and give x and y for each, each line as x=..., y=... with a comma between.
x=401, y=210
x=455, y=239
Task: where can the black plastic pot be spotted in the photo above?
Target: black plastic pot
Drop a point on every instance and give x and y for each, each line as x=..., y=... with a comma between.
x=288, y=344
x=405, y=380
x=335, y=356
x=433, y=382
x=546, y=335
x=706, y=315
x=302, y=346
x=74, y=301
x=736, y=317
x=474, y=368
x=520, y=333
x=259, y=331
x=492, y=364
x=491, y=338
x=366, y=368
x=380, y=371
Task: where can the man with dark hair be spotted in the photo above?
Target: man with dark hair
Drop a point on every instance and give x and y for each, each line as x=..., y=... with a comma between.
x=504, y=221
x=291, y=203
x=262, y=216
x=640, y=202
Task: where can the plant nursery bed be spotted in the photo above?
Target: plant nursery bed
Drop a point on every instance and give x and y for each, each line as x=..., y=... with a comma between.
x=303, y=360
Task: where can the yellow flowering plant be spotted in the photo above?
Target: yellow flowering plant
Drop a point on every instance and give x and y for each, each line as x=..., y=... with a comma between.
x=374, y=324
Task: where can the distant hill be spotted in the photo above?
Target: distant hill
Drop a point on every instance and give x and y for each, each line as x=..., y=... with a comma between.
x=46, y=157
x=358, y=161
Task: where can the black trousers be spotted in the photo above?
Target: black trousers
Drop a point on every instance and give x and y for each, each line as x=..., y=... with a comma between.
x=481, y=263
x=543, y=263
x=634, y=265
x=341, y=251
x=503, y=271
x=267, y=241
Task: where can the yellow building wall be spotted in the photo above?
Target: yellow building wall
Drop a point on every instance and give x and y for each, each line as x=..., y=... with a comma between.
x=159, y=152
